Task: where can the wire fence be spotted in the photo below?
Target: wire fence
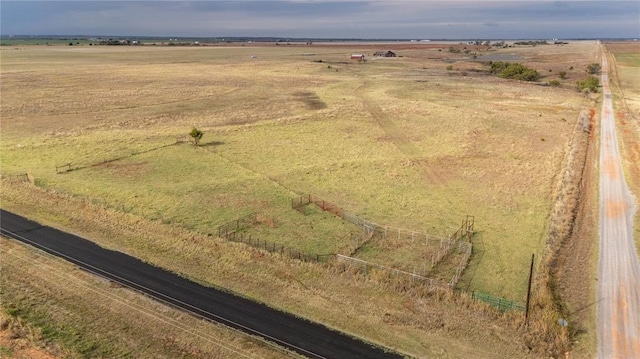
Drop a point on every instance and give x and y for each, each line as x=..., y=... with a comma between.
x=414, y=278
x=460, y=241
x=467, y=247
x=444, y=243
x=277, y=248
x=500, y=303
x=68, y=167
x=237, y=225
x=231, y=231
x=464, y=232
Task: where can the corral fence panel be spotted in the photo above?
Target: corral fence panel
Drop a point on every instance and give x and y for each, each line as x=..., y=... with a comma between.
x=407, y=276
x=231, y=231
x=500, y=303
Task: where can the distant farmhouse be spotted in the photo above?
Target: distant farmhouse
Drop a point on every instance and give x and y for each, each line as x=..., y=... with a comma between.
x=384, y=54
x=358, y=57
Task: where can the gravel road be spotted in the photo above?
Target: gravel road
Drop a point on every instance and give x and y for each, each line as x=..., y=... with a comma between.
x=618, y=317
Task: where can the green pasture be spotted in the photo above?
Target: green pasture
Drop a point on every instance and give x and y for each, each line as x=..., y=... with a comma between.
x=369, y=138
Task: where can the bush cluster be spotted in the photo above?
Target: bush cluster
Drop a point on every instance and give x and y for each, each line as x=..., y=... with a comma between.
x=594, y=69
x=590, y=84
x=514, y=70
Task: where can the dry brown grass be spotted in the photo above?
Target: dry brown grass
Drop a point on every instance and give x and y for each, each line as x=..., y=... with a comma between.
x=399, y=141
x=421, y=323
x=80, y=315
x=551, y=300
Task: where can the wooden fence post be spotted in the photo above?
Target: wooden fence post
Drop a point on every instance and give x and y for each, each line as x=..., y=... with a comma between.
x=526, y=313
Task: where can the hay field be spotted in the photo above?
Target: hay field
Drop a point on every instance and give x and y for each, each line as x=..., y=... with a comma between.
x=399, y=141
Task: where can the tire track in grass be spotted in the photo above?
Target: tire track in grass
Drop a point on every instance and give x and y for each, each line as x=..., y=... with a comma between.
x=397, y=135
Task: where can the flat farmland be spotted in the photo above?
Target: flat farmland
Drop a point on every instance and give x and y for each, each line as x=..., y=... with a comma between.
x=417, y=142
x=400, y=141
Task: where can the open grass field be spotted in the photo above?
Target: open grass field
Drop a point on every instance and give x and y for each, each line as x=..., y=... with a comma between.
x=399, y=141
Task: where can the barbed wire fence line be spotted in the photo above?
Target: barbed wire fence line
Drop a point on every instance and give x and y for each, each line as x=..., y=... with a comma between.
x=71, y=166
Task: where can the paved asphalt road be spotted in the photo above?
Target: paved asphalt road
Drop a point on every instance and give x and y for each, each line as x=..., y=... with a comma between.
x=309, y=339
x=618, y=269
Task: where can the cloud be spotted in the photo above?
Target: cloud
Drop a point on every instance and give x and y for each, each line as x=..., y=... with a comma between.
x=327, y=18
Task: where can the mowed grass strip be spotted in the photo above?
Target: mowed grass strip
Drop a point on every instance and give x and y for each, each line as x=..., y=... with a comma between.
x=395, y=142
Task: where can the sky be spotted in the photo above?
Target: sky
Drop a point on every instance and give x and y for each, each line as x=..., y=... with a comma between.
x=378, y=19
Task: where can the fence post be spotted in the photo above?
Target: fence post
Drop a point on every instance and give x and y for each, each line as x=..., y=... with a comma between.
x=526, y=313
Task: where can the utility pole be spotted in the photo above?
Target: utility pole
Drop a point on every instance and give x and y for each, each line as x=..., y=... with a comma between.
x=526, y=313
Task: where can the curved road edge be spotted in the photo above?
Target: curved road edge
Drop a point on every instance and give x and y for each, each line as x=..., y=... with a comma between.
x=307, y=338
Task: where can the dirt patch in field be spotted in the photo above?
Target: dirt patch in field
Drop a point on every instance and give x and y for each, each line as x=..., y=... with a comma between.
x=12, y=345
x=310, y=99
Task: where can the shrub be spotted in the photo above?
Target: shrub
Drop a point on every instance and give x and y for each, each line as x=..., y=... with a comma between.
x=514, y=71
x=554, y=83
x=563, y=74
x=450, y=67
x=590, y=84
x=593, y=68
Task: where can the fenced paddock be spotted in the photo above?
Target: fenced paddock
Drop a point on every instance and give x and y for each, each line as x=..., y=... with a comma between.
x=389, y=274
x=454, y=249
x=406, y=250
x=234, y=232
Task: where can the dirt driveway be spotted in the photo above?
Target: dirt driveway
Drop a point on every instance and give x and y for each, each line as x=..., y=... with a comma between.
x=618, y=317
